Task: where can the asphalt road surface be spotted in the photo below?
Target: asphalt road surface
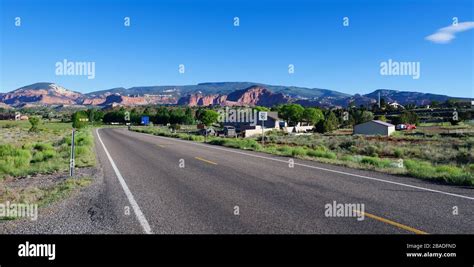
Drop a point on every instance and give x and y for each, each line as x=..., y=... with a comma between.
x=176, y=186
x=157, y=185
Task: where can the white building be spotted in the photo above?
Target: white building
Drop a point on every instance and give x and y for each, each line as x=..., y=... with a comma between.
x=374, y=127
x=395, y=105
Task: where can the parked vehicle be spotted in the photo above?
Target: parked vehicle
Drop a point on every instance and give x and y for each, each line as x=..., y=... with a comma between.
x=400, y=127
x=227, y=131
x=207, y=132
x=410, y=126
x=403, y=127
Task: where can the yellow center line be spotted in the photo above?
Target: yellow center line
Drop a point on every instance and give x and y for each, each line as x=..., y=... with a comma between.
x=160, y=145
x=205, y=160
x=399, y=225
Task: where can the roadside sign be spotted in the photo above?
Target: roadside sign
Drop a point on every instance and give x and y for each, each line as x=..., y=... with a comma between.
x=72, y=163
x=145, y=120
x=262, y=116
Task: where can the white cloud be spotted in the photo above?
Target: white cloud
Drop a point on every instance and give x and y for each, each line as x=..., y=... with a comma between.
x=447, y=34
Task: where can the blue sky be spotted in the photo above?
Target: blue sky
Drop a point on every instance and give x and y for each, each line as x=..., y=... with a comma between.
x=272, y=34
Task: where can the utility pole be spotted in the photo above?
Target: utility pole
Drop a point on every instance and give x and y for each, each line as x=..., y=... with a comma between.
x=379, y=100
x=262, y=115
x=71, y=161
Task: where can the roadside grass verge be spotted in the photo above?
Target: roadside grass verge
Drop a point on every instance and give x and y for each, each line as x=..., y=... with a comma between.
x=443, y=173
x=45, y=152
x=357, y=152
x=42, y=196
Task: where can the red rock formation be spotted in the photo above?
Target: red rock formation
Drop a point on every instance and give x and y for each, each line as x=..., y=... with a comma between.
x=202, y=100
x=95, y=101
x=251, y=96
x=41, y=93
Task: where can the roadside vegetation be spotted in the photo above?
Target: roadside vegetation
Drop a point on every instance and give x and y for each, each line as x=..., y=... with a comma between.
x=426, y=156
x=43, y=150
x=42, y=196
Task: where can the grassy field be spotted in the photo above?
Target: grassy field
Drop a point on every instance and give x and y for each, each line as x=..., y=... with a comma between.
x=46, y=151
x=424, y=155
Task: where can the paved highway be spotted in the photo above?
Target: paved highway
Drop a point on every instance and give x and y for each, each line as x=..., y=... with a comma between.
x=176, y=186
x=157, y=185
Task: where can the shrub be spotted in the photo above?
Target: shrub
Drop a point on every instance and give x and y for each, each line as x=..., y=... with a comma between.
x=13, y=161
x=445, y=173
x=371, y=150
x=377, y=162
x=271, y=149
x=285, y=150
x=347, y=158
x=42, y=146
x=35, y=122
x=37, y=157
x=298, y=151
x=347, y=144
x=197, y=138
x=9, y=125
x=398, y=152
x=321, y=154
x=49, y=154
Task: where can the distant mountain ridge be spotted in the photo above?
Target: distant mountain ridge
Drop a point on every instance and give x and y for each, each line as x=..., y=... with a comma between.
x=220, y=88
x=204, y=94
x=41, y=93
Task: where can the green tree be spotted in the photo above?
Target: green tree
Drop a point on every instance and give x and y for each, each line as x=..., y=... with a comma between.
x=382, y=118
x=79, y=119
x=199, y=113
x=95, y=115
x=435, y=104
x=177, y=116
x=260, y=108
x=330, y=124
x=35, y=122
x=383, y=104
x=361, y=116
x=114, y=116
x=188, y=116
x=208, y=117
x=410, y=106
x=450, y=103
x=406, y=117
x=312, y=115
x=162, y=116
x=292, y=113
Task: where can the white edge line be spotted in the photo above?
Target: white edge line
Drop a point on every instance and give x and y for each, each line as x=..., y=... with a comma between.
x=319, y=168
x=140, y=217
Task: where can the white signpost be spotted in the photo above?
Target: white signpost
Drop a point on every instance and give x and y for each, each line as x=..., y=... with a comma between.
x=72, y=159
x=262, y=116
